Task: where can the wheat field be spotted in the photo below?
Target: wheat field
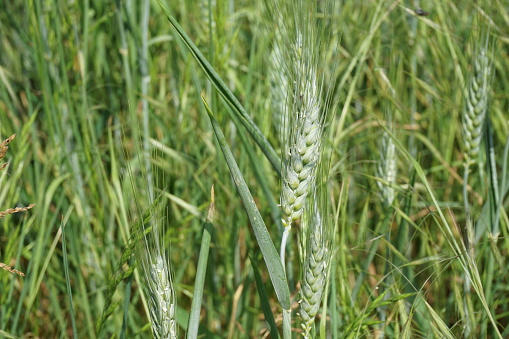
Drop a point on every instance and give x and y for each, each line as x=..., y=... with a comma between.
x=254, y=169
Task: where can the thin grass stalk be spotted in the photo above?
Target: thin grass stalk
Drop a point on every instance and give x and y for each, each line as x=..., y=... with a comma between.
x=127, y=302
x=466, y=261
x=68, y=282
x=503, y=185
x=264, y=299
x=494, y=231
x=145, y=82
x=201, y=268
x=382, y=229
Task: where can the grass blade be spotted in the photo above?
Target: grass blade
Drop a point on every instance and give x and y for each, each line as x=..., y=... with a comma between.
x=269, y=252
x=194, y=317
x=68, y=283
x=264, y=299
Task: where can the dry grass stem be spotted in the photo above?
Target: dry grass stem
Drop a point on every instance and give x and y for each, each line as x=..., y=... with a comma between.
x=4, y=145
x=15, y=210
x=10, y=269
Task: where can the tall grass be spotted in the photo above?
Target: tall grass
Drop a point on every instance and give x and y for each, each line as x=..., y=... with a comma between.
x=95, y=90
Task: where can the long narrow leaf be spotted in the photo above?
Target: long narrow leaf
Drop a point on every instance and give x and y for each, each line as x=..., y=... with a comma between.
x=194, y=317
x=225, y=92
x=264, y=299
x=68, y=282
x=269, y=252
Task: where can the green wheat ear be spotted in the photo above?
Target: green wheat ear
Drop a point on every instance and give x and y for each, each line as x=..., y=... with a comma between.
x=162, y=299
x=156, y=273
x=304, y=140
x=476, y=107
x=316, y=249
x=387, y=169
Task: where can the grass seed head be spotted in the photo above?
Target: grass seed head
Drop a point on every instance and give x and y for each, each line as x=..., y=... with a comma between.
x=387, y=169
x=156, y=272
x=303, y=147
x=11, y=270
x=476, y=107
x=162, y=299
x=316, y=253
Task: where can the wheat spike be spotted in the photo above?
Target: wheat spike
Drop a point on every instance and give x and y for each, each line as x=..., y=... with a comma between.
x=156, y=272
x=162, y=299
x=387, y=169
x=476, y=107
x=304, y=141
x=278, y=89
x=317, y=255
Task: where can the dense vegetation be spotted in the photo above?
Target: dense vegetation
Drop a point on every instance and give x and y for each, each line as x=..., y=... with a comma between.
x=117, y=128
